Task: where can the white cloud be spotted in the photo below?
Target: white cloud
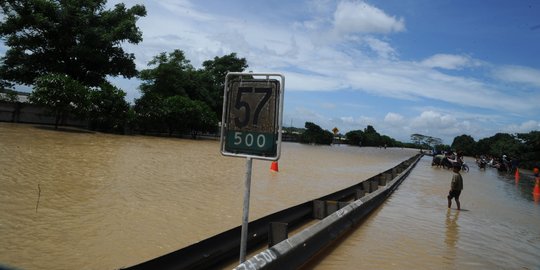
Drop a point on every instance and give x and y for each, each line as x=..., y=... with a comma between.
x=360, y=17
x=393, y=118
x=434, y=120
x=449, y=61
x=518, y=74
x=524, y=127
x=347, y=119
x=383, y=49
x=405, y=80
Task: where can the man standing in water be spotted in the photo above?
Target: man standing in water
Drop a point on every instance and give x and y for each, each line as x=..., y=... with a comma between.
x=455, y=187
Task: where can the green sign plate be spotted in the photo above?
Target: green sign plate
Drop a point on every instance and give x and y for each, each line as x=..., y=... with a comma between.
x=253, y=143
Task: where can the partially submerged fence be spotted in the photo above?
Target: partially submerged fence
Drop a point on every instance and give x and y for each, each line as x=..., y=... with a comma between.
x=18, y=112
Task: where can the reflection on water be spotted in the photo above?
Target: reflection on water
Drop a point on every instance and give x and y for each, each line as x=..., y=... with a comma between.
x=452, y=234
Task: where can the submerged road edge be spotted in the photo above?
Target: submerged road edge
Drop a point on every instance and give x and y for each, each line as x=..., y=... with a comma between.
x=301, y=247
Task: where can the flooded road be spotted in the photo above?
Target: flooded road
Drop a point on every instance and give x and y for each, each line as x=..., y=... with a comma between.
x=78, y=200
x=498, y=227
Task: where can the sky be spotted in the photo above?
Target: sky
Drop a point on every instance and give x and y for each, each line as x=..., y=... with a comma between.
x=439, y=68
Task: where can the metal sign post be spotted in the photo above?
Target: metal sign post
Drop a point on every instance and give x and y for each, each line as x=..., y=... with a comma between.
x=251, y=126
x=245, y=210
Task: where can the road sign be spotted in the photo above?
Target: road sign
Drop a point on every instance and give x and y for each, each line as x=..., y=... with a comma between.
x=251, y=123
x=251, y=126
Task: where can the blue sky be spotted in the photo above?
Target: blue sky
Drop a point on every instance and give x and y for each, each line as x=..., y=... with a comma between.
x=438, y=68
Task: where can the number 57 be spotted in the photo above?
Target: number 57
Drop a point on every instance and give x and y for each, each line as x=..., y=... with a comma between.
x=239, y=104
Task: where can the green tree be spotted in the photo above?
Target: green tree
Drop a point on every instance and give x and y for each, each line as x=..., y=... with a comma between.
x=183, y=114
x=418, y=139
x=425, y=141
x=354, y=137
x=109, y=109
x=150, y=112
x=169, y=75
x=442, y=147
x=530, y=152
x=315, y=134
x=371, y=137
x=179, y=113
x=499, y=144
x=206, y=120
x=433, y=141
x=387, y=141
x=4, y=85
x=465, y=144
x=62, y=95
x=74, y=37
x=216, y=70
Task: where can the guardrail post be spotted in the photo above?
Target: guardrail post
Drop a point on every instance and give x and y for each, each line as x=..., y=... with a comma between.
x=374, y=185
x=319, y=209
x=342, y=204
x=331, y=207
x=359, y=194
x=366, y=185
x=277, y=233
x=382, y=179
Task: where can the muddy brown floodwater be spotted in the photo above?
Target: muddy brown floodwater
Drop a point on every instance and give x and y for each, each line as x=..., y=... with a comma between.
x=79, y=200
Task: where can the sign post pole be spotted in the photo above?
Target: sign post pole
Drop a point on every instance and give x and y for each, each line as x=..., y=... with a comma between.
x=245, y=215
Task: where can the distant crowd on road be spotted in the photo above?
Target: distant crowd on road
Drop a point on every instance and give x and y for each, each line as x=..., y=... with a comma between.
x=503, y=164
x=449, y=159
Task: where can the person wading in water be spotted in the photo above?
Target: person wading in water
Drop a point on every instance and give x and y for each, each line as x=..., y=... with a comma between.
x=455, y=187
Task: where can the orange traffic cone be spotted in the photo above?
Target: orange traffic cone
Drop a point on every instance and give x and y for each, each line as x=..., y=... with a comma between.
x=274, y=166
x=517, y=175
x=536, y=190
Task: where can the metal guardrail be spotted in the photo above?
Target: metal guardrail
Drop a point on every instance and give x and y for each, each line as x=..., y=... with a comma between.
x=223, y=248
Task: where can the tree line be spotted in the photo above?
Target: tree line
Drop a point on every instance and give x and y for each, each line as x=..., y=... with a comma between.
x=524, y=147
x=67, y=50
x=314, y=134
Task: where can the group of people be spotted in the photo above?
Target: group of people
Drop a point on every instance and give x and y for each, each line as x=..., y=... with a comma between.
x=448, y=159
x=502, y=164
